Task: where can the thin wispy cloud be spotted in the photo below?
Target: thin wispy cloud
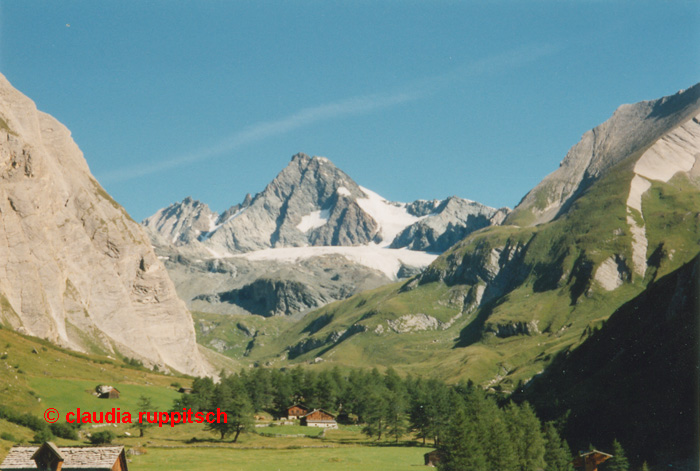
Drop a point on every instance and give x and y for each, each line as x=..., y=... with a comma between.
x=348, y=107
x=267, y=129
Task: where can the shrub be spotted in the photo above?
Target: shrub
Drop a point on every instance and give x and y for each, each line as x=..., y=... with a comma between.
x=133, y=362
x=25, y=420
x=64, y=430
x=8, y=436
x=102, y=438
x=43, y=435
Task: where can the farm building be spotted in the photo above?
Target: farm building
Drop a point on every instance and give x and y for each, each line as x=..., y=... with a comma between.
x=432, y=458
x=107, y=392
x=185, y=390
x=590, y=460
x=49, y=457
x=319, y=418
x=297, y=411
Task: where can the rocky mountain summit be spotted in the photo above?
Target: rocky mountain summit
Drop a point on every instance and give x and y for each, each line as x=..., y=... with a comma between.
x=74, y=268
x=309, y=208
x=313, y=203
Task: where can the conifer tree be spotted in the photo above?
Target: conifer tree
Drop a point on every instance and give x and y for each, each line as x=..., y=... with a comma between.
x=144, y=404
x=396, y=415
x=375, y=413
x=419, y=415
x=619, y=461
x=524, y=427
x=557, y=454
x=461, y=447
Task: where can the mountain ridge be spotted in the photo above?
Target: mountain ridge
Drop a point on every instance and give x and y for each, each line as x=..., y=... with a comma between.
x=630, y=130
x=312, y=202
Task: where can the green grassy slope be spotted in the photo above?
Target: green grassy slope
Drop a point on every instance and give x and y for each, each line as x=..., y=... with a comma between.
x=637, y=379
x=54, y=377
x=539, y=290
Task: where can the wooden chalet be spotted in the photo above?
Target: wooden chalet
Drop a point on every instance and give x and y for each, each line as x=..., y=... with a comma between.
x=107, y=392
x=49, y=457
x=297, y=411
x=432, y=458
x=590, y=460
x=319, y=418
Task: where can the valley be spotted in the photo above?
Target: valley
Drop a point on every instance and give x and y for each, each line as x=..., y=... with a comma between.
x=590, y=282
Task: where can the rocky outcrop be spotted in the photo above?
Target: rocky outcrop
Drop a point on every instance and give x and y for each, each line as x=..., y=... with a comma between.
x=447, y=223
x=413, y=323
x=333, y=338
x=509, y=329
x=492, y=270
x=271, y=297
x=75, y=269
x=182, y=223
x=612, y=273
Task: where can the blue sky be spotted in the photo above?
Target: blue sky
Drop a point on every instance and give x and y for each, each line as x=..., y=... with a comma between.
x=412, y=99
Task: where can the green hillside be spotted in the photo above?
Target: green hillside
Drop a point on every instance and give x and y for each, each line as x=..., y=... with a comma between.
x=537, y=285
x=635, y=380
x=36, y=375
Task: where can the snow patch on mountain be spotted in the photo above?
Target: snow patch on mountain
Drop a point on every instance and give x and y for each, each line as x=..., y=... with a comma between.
x=385, y=260
x=314, y=220
x=213, y=226
x=392, y=217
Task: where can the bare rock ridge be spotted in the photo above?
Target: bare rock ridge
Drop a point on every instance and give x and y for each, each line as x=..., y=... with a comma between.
x=313, y=203
x=630, y=131
x=74, y=268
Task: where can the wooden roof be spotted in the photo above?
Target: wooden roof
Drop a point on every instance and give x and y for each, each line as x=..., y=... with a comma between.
x=300, y=406
x=595, y=454
x=51, y=448
x=321, y=411
x=593, y=457
x=82, y=458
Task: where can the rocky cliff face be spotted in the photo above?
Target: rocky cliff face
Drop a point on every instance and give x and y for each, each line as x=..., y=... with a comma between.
x=74, y=267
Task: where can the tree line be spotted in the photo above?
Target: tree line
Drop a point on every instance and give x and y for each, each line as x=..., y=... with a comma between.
x=468, y=427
